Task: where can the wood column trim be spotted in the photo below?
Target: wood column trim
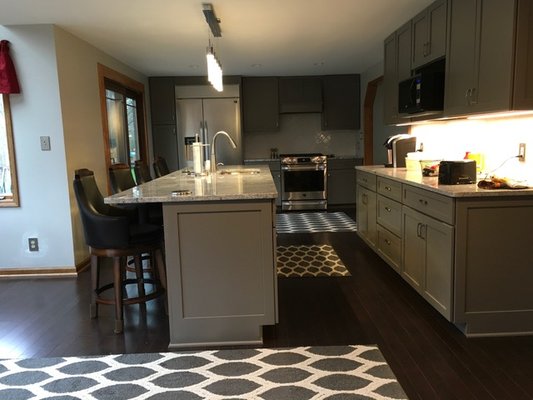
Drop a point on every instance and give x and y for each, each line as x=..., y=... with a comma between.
x=368, y=120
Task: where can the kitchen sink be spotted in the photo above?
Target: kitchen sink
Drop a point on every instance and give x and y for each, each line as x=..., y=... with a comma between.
x=239, y=171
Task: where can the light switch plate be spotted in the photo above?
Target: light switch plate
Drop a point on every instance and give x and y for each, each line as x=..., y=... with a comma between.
x=45, y=143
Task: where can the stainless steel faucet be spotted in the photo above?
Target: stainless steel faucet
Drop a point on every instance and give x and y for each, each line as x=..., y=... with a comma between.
x=214, y=150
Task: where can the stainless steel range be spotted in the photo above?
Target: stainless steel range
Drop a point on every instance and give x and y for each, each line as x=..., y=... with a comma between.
x=304, y=181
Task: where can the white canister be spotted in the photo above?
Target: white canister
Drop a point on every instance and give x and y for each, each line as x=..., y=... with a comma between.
x=197, y=157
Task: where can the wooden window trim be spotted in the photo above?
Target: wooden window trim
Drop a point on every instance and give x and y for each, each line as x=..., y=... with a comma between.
x=13, y=200
x=106, y=73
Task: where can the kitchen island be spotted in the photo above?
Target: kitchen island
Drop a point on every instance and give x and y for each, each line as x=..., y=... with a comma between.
x=465, y=250
x=220, y=253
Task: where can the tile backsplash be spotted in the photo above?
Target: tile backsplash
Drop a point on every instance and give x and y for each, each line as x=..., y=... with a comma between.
x=497, y=139
x=301, y=133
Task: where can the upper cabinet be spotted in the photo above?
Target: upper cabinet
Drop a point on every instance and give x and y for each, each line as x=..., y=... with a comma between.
x=341, y=96
x=429, y=34
x=397, y=68
x=260, y=104
x=162, y=101
x=489, y=67
x=300, y=94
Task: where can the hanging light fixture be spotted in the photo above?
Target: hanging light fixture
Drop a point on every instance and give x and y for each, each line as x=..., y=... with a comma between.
x=214, y=70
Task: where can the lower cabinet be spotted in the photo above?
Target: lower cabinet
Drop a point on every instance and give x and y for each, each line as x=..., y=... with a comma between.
x=428, y=258
x=366, y=215
x=341, y=180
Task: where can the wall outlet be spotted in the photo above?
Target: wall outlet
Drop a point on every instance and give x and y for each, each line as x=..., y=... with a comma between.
x=33, y=244
x=522, y=152
x=45, y=143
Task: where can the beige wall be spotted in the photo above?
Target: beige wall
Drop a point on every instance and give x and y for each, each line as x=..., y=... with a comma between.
x=82, y=121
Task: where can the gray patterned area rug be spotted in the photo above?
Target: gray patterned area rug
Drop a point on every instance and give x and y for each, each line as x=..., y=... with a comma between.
x=312, y=222
x=316, y=260
x=301, y=373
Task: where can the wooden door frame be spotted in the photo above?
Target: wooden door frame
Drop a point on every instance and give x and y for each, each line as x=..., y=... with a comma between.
x=368, y=120
x=133, y=85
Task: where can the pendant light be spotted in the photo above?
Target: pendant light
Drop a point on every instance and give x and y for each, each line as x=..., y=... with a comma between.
x=214, y=70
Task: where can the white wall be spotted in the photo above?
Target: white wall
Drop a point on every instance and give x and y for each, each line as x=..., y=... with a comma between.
x=60, y=99
x=42, y=176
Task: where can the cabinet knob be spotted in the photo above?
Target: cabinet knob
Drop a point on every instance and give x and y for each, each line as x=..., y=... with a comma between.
x=388, y=209
x=424, y=202
x=388, y=242
x=388, y=188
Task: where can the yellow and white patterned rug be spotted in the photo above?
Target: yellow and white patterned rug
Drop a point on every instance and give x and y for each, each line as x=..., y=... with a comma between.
x=314, y=260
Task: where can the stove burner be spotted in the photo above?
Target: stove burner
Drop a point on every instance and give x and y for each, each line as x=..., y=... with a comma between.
x=303, y=158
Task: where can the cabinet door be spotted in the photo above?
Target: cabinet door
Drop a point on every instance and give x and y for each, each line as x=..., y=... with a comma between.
x=341, y=186
x=260, y=104
x=162, y=101
x=390, y=81
x=166, y=144
x=403, y=40
x=300, y=94
x=414, y=248
x=461, y=59
x=496, y=57
x=429, y=34
x=439, y=265
x=341, y=95
x=366, y=215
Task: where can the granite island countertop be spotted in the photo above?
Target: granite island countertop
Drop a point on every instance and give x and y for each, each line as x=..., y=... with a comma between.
x=431, y=183
x=179, y=186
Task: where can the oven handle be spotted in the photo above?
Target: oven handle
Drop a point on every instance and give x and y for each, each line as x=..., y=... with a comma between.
x=314, y=167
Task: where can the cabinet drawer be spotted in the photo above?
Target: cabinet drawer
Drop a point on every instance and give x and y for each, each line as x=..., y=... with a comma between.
x=429, y=203
x=389, y=188
x=389, y=247
x=366, y=179
x=389, y=215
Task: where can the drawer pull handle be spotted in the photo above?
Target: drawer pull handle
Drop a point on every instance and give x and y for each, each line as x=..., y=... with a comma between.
x=388, y=188
x=424, y=202
x=387, y=241
x=388, y=209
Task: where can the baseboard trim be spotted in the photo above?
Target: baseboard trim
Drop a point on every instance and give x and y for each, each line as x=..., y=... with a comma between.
x=45, y=272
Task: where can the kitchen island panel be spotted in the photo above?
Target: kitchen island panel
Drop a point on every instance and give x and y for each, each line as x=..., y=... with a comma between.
x=221, y=273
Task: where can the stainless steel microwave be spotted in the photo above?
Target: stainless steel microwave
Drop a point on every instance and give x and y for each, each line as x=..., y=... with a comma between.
x=421, y=94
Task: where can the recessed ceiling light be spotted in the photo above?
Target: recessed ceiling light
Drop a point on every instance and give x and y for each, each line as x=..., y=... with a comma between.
x=193, y=66
x=256, y=65
x=319, y=64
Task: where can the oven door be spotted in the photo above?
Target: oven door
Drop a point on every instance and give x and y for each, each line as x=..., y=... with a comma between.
x=303, y=182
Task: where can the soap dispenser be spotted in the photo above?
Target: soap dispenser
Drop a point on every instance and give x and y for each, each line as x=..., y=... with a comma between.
x=197, y=155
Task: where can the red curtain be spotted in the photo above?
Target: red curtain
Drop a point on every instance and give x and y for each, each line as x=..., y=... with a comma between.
x=8, y=77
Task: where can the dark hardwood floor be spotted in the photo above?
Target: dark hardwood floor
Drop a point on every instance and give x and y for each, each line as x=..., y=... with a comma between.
x=430, y=357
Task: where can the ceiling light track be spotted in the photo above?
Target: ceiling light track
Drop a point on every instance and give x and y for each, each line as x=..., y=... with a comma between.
x=212, y=19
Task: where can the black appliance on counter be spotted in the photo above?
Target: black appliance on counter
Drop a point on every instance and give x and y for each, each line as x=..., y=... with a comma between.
x=304, y=181
x=457, y=172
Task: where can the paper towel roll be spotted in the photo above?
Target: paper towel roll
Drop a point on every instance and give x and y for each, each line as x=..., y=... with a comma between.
x=197, y=157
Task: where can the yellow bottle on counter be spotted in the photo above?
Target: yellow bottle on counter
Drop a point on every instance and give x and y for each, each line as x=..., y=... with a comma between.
x=479, y=158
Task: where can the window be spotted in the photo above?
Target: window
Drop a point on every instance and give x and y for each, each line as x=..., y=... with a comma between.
x=8, y=172
x=122, y=102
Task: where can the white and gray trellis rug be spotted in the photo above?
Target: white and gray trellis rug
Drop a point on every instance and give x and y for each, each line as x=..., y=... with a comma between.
x=313, y=260
x=301, y=373
x=312, y=222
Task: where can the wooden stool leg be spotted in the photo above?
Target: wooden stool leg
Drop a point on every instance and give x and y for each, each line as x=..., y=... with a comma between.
x=140, y=275
x=117, y=283
x=95, y=278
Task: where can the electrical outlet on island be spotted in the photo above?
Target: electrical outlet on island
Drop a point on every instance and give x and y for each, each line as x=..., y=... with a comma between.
x=33, y=244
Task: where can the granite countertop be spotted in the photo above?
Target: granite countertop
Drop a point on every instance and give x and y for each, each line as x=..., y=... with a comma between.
x=431, y=183
x=212, y=187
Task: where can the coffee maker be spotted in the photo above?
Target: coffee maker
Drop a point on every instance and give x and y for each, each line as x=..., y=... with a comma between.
x=397, y=148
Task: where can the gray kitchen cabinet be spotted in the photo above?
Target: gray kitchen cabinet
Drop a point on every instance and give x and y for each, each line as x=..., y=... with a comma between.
x=489, y=57
x=300, y=94
x=366, y=207
x=429, y=34
x=162, y=100
x=341, y=100
x=260, y=104
x=341, y=180
x=397, y=60
x=428, y=259
x=165, y=143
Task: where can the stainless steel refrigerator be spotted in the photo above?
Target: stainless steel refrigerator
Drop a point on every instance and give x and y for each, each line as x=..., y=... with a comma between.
x=207, y=116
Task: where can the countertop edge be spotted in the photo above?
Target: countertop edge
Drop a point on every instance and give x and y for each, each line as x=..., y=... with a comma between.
x=414, y=178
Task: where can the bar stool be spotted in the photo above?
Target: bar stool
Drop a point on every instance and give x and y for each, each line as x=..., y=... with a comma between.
x=115, y=233
x=142, y=172
x=160, y=167
x=121, y=177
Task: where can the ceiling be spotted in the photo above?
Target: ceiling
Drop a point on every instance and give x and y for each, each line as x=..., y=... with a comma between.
x=259, y=37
